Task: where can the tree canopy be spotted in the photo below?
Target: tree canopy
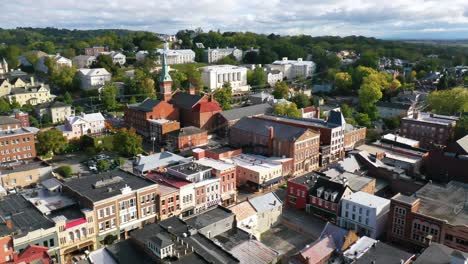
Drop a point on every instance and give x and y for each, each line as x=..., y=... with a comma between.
x=287, y=109
x=127, y=142
x=449, y=102
x=223, y=96
x=281, y=90
x=51, y=140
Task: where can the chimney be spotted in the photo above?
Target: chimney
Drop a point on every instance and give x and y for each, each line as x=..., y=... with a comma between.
x=416, y=114
x=271, y=135
x=199, y=153
x=32, y=80
x=380, y=155
x=9, y=222
x=299, y=59
x=285, y=58
x=317, y=112
x=162, y=150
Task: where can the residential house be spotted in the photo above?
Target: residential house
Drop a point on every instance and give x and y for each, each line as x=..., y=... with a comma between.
x=5, y=87
x=95, y=50
x=214, y=55
x=433, y=214
x=156, y=162
x=310, y=112
x=298, y=189
x=93, y=78
x=216, y=76
x=226, y=119
x=267, y=137
x=57, y=60
x=293, y=68
x=274, y=76
x=83, y=61
x=117, y=57
x=186, y=138
x=29, y=93
x=246, y=217
x=365, y=213
x=389, y=109
x=57, y=111
x=22, y=174
x=84, y=124
x=120, y=202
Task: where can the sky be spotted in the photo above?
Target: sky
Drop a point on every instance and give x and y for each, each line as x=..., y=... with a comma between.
x=391, y=19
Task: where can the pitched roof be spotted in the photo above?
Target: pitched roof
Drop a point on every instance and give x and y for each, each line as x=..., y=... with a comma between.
x=437, y=254
x=336, y=117
x=463, y=143
x=6, y=120
x=185, y=100
x=262, y=127
x=330, y=186
x=243, y=210
x=254, y=252
x=157, y=160
x=336, y=233
x=92, y=72
x=265, y=202
x=253, y=110
x=147, y=105
x=204, y=107
x=162, y=240
x=384, y=253
x=34, y=254
x=319, y=250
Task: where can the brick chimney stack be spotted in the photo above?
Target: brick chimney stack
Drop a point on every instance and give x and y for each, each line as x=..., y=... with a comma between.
x=271, y=135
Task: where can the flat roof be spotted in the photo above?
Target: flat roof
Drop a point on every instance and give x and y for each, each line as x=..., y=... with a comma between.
x=373, y=149
x=409, y=200
x=209, y=217
x=189, y=168
x=46, y=201
x=215, y=164
x=401, y=140
x=306, y=179
x=311, y=122
x=22, y=166
x=433, y=119
x=253, y=163
x=15, y=132
x=105, y=185
x=355, y=182
x=367, y=199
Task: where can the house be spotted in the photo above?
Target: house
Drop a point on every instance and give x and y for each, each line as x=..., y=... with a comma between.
x=216, y=76
x=117, y=57
x=17, y=144
x=228, y=118
x=58, y=111
x=33, y=254
x=437, y=253
x=144, y=118
x=83, y=124
x=57, y=60
x=267, y=137
x=274, y=76
x=390, y=109
x=214, y=55
x=156, y=162
x=5, y=87
x=365, y=213
x=434, y=213
x=298, y=189
x=24, y=174
x=27, y=91
x=93, y=78
x=269, y=209
x=120, y=202
x=246, y=217
x=366, y=250
x=179, y=56
x=186, y=138
x=342, y=238
x=316, y=253
x=83, y=61
x=95, y=50
x=325, y=199
x=293, y=68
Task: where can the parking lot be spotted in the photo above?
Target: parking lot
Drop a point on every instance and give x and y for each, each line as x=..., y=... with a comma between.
x=84, y=164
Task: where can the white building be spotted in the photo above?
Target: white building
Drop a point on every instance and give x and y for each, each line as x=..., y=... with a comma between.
x=364, y=213
x=215, y=76
x=214, y=55
x=84, y=124
x=294, y=68
x=117, y=57
x=93, y=78
x=59, y=61
x=3, y=67
x=274, y=76
x=181, y=56
x=83, y=61
x=141, y=55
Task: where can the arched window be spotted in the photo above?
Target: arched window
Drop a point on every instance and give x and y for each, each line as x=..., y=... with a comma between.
x=77, y=234
x=83, y=231
x=71, y=236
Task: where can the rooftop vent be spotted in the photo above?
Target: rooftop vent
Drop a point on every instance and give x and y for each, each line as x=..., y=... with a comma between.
x=106, y=182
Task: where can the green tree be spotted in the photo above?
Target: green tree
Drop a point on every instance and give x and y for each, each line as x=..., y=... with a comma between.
x=287, y=109
x=65, y=171
x=33, y=121
x=102, y=165
x=281, y=90
x=256, y=78
x=392, y=122
x=127, y=142
x=461, y=129
x=301, y=100
x=449, y=102
x=369, y=94
x=67, y=98
x=50, y=141
x=363, y=119
x=347, y=111
x=223, y=96
x=343, y=81
x=109, y=96
x=4, y=106
x=231, y=60
x=63, y=78
x=146, y=87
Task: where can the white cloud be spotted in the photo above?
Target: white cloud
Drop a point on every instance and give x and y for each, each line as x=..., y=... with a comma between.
x=397, y=18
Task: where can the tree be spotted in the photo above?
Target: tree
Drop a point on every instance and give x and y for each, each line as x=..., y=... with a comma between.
x=65, y=171
x=368, y=59
x=369, y=94
x=4, y=106
x=63, y=78
x=461, y=129
x=343, y=81
x=281, y=90
x=230, y=60
x=252, y=57
x=347, y=111
x=301, y=100
x=392, y=122
x=449, y=102
x=363, y=119
x=256, y=78
x=287, y=109
x=51, y=140
x=102, y=165
x=67, y=98
x=224, y=96
x=109, y=96
x=127, y=143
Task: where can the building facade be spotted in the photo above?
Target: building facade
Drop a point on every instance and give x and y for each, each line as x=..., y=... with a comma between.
x=294, y=68
x=186, y=138
x=83, y=61
x=84, y=124
x=93, y=78
x=214, y=55
x=17, y=144
x=215, y=76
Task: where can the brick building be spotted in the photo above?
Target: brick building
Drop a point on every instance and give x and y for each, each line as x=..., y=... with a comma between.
x=120, y=202
x=17, y=144
x=95, y=50
x=22, y=117
x=168, y=201
x=298, y=190
x=435, y=213
x=137, y=115
x=228, y=118
x=218, y=153
x=159, y=128
x=186, y=138
x=429, y=129
x=272, y=138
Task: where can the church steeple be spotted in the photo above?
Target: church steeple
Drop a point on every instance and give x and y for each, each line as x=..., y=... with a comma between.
x=165, y=82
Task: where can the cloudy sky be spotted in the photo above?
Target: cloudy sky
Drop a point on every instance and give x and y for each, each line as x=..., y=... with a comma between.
x=378, y=18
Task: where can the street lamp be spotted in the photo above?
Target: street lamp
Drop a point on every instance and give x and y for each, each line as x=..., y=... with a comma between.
x=153, y=139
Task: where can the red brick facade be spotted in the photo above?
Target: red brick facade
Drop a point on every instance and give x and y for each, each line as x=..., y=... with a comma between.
x=6, y=249
x=17, y=146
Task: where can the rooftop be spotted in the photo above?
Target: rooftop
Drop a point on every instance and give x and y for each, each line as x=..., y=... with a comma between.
x=367, y=199
x=6, y=120
x=105, y=185
x=189, y=168
x=24, y=165
x=438, y=254
x=262, y=127
x=254, y=252
x=402, y=140
x=215, y=164
x=158, y=160
x=318, y=250
x=46, y=201
x=209, y=217
x=354, y=181
x=253, y=162
x=265, y=202
x=384, y=253
x=434, y=119
x=185, y=100
x=306, y=179
x=310, y=122
x=187, y=131
x=253, y=110
x=15, y=132
x=168, y=180
x=243, y=210
x=146, y=106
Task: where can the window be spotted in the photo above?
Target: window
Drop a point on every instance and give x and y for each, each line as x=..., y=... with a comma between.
x=100, y=214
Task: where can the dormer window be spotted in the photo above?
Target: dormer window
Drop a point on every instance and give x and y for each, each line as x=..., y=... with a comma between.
x=333, y=196
x=327, y=194
x=319, y=191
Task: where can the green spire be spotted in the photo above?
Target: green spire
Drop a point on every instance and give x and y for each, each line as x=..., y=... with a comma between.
x=165, y=76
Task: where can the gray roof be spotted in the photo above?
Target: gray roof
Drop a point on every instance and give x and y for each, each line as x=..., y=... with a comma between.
x=262, y=127
x=126, y=252
x=187, y=131
x=24, y=215
x=311, y=122
x=402, y=106
x=438, y=254
x=463, y=143
x=55, y=104
x=51, y=184
x=209, y=217
x=105, y=185
x=23, y=166
x=185, y=100
x=162, y=159
x=6, y=120
x=162, y=240
x=384, y=253
x=253, y=110
x=147, y=105
x=337, y=234
x=336, y=117
x=265, y=202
